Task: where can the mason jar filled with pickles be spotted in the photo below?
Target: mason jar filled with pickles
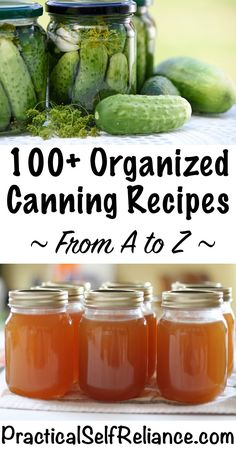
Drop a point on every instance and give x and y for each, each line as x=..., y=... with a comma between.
x=146, y=40
x=23, y=63
x=92, y=51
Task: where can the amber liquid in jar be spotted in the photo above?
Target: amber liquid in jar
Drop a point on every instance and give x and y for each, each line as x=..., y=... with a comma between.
x=76, y=316
x=113, y=356
x=38, y=358
x=230, y=320
x=150, y=318
x=191, y=360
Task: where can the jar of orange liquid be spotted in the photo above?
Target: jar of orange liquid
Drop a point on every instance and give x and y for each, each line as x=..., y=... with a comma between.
x=75, y=309
x=227, y=313
x=230, y=320
x=38, y=339
x=149, y=315
x=113, y=345
x=191, y=346
x=156, y=307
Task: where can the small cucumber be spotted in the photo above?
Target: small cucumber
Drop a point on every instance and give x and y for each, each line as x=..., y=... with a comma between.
x=141, y=114
x=62, y=78
x=16, y=80
x=118, y=73
x=89, y=80
x=5, y=110
x=206, y=87
x=33, y=50
x=159, y=85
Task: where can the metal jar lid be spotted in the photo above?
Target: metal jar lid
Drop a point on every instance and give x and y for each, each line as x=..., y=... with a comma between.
x=145, y=287
x=113, y=299
x=191, y=299
x=205, y=284
x=75, y=292
x=35, y=298
x=85, y=284
x=19, y=10
x=90, y=8
x=216, y=287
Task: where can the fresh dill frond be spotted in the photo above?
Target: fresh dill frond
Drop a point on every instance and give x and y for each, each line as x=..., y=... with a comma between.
x=61, y=121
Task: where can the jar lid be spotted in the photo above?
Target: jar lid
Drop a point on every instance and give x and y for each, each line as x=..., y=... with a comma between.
x=97, y=8
x=113, y=299
x=35, y=298
x=214, y=286
x=145, y=287
x=74, y=291
x=191, y=299
x=85, y=284
x=204, y=284
x=19, y=10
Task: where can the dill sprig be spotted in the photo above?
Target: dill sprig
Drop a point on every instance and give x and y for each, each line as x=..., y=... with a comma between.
x=61, y=121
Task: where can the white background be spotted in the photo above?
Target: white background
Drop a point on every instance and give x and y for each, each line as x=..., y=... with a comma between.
x=18, y=231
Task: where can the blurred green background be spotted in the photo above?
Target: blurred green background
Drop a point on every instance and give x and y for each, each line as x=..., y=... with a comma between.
x=205, y=29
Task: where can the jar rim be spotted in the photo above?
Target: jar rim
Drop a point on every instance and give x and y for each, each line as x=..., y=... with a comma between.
x=191, y=299
x=73, y=290
x=35, y=298
x=113, y=299
x=145, y=287
x=213, y=286
x=20, y=10
x=90, y=8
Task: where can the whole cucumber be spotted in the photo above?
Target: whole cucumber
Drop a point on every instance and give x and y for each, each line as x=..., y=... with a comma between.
x=141, y=114
x=159, y=85
x=206, y=87
x=5, y=110
x=62, y=78
x=33, y=50
x=118, y=73
x=91, y=74
x=16, y=80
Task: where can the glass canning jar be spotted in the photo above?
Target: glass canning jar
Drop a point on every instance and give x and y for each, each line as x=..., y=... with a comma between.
x=149, y=314
x=38, y=339
x=191, y=346
x=156, y=306
x=146, y=42
x=113, y=337
x=23, y=63
x=227, y=313
x=75, y=310
x=92, y=51
x=230, y=320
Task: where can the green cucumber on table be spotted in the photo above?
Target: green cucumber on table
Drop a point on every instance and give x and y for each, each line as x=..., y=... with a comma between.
x=141, y=114
x=205, y=86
